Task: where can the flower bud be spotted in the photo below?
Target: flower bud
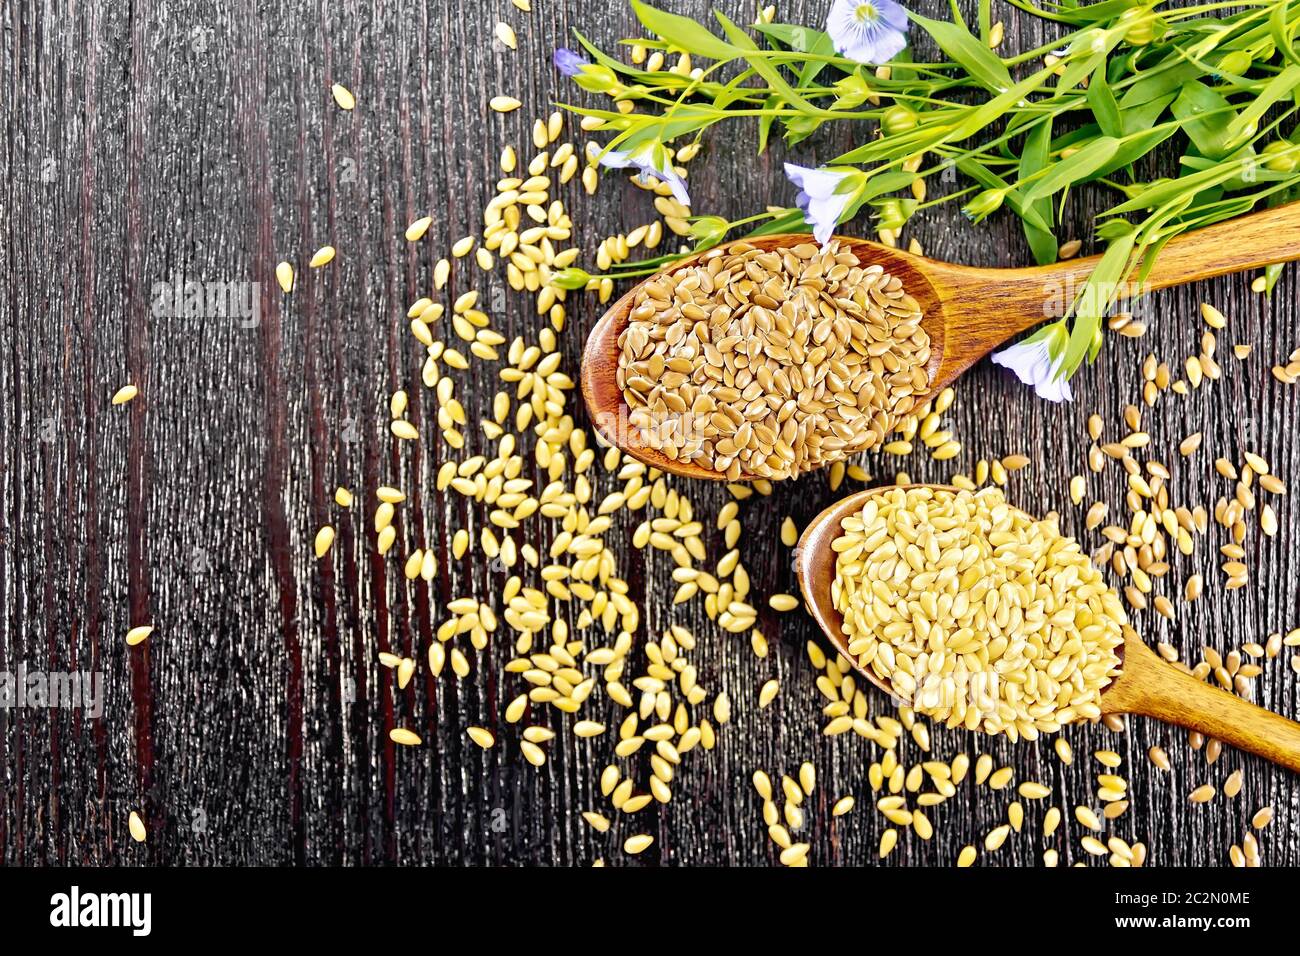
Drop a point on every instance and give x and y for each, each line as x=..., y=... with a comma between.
x=1280, y=163
x=571, y=278
x=707, y=231
x=898, y=119
x=1235, y=63
x=893, y=214
x=984, y=204
x=1140, y=26
x=597, y=78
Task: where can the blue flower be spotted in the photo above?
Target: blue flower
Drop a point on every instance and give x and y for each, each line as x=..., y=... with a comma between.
x=1033, y=364
x=868, y=31
x=652, y=160
x=824, y=195
x=568, y=62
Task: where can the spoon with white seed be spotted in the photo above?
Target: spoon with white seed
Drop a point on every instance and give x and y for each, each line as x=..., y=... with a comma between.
x=966, y=311
x=1147, y=685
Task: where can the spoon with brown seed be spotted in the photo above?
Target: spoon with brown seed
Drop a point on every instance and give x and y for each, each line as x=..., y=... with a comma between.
x=965, y=311
x=1147, y=685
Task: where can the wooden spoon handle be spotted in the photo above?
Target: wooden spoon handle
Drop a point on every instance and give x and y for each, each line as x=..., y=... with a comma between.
x=1160, y=690
x=1247, y=242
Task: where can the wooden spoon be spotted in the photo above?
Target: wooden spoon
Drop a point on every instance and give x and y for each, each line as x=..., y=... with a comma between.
x=1148, y=685
x=967, y=311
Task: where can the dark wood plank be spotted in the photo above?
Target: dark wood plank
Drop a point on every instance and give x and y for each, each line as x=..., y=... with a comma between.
x=148, y=142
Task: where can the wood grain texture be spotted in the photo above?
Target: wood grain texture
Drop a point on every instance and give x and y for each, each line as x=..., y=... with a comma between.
x=149, y=141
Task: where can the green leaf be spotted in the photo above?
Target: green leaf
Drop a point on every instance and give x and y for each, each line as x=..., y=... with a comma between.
x=821, y=45
x=682, y=32
x=1034, y=157
x=1278, y=30
x=1102, y=102
x=1077, y=168
x=1096, y=296
x=745, y=46
x=1271, y=274
x=1158, y=81
x=882, y=183
x=788, y=221
x=1133, y=119
x=1206, y=116
x=968, y=52
x=1281, y=86
x=1134, y=146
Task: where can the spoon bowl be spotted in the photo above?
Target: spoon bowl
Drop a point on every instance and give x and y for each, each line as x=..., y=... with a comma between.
x=966, y=311
x=1146, y=685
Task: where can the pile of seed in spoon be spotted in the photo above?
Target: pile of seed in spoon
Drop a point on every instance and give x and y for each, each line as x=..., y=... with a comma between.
x=771, y=363
x=974, y=612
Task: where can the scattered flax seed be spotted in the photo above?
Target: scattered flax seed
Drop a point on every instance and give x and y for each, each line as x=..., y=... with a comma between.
x=1268, y=520
x=1068, y=249
x=789, y=533
x=1272, y=484
x=1158, y=757
x=638, y=843
x=481, y=736
x=1001, y=778
x=783, y=602
x=1195, y=585
x=506, y=34
x=125, y=394
x=842, y=806
x=138, y=635
x=967, y=856
x=284, y=276
x=136, y=825
x=1212, y=316
x=404, y=430
x=1189, y=444
x=1241, y=351
x=1202, y=794
x=888, y=840
x=1262, y=818
x=1064, y=751
x=1051, y=820
x=407, y=738
x=416, y=230
x=996, y=837
x=1092, y=845
x=1108, y=758
x=322, y=256
x=1087, y=818
x=1258, y=465
x=767, y=693
x=343, y=97
x=504, y=104
x=598, y=822
x=1232, y=785
x=324, y=538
